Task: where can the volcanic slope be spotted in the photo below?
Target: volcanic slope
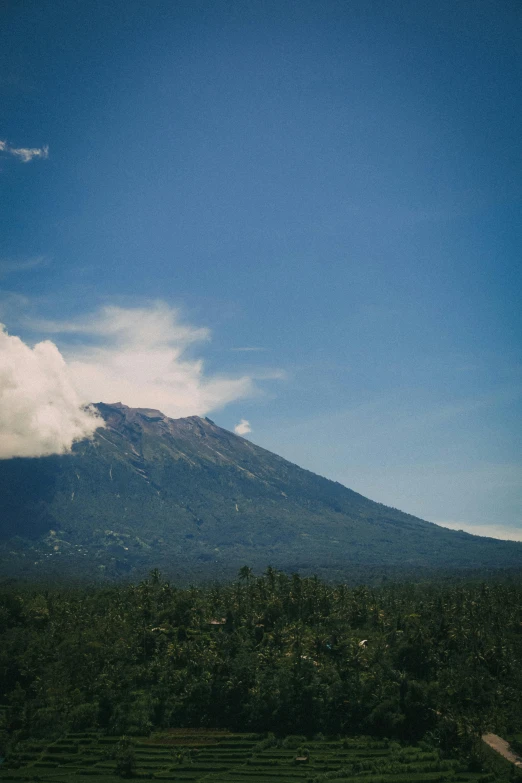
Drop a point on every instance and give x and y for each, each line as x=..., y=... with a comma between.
x=199, y=502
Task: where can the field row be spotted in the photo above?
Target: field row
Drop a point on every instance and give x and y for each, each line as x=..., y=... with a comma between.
x=221, y=757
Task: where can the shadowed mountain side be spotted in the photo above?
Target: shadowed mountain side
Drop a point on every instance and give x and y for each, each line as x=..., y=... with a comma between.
x=198, y=501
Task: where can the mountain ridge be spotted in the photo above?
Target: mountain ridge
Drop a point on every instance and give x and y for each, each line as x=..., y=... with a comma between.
x=199, y=501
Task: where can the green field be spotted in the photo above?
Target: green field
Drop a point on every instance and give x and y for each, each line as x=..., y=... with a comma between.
x=223, y=757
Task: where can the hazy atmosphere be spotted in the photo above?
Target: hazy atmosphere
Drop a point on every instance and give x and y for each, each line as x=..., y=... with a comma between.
x=301, y=219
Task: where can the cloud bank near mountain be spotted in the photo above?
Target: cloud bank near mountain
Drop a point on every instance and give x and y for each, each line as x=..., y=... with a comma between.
x=40, y=411
x=141, y=356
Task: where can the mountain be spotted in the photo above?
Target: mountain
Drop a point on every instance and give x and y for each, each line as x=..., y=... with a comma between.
x=199, y=502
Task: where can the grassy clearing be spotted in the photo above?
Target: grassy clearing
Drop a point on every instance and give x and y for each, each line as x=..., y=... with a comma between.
x=221, y=757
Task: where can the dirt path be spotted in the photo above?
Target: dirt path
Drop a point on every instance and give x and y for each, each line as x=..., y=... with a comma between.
x=502, y=747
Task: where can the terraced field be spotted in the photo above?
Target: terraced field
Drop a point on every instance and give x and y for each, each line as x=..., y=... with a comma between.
x=222, y=757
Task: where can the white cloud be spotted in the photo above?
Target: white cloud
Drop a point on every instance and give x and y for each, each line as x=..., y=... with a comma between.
x=139, y=356
x=243, y=428
x=40, y=411
x=25, y=154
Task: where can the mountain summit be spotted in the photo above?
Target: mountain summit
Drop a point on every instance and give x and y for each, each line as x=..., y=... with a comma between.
x=198, y=501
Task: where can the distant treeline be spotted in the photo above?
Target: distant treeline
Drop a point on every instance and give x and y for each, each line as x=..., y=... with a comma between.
x=272, y=653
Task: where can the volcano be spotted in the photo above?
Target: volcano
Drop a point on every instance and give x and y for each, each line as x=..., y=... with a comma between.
x=198, y=502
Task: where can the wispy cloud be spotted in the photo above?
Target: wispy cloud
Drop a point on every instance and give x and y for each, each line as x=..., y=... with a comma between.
x=141, y=356
x=9, y=266
x=248, y=349
x=25, y=154
x=243, y=428
x=13, y=307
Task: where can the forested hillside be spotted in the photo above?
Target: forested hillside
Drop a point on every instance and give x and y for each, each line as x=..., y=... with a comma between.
x=269, y=653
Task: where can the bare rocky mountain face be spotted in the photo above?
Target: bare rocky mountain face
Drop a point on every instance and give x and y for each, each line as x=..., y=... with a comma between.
x=199, y=502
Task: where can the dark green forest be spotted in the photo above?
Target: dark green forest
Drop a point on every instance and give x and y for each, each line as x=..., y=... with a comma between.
x=278, y=653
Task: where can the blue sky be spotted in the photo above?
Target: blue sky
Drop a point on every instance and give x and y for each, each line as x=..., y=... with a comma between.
x=334, y=186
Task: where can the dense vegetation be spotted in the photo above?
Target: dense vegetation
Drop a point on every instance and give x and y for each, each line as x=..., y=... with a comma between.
x=273, y=653
x=198, y=502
